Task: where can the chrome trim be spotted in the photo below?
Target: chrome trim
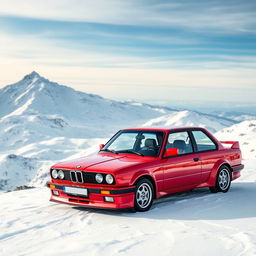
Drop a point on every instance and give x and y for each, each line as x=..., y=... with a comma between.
x=75, y=174
x=82, y=178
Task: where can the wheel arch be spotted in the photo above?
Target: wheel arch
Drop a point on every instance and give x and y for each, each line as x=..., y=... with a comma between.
x=146, y=175
x=228, y=165
x=215, y=169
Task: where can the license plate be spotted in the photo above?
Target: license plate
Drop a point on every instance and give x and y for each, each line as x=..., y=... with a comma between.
x=76, y=191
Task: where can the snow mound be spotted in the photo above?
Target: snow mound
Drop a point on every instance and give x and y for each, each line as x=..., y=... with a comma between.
x=245, y=133
x=16, y=170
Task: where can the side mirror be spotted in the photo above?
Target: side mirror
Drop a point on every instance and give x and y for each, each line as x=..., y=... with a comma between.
x=171, y=152
x=102, y=146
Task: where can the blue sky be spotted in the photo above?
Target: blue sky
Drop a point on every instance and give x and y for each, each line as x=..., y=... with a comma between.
x=162, y=51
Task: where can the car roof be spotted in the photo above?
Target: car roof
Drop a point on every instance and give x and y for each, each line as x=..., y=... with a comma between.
x=165, y=129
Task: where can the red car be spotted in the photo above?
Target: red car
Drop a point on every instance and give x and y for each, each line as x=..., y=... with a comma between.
x=137, y=166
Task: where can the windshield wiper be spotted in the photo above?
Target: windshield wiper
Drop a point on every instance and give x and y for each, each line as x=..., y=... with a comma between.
x=130, y=151
x=109, y=150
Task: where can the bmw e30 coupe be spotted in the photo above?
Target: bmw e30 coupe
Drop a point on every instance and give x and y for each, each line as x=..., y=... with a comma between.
x=139, y=165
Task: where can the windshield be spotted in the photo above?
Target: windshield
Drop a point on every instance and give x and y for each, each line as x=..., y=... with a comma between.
x=143, y=143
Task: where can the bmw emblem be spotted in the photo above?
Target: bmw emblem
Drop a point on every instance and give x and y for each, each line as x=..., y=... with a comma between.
x=79, y=166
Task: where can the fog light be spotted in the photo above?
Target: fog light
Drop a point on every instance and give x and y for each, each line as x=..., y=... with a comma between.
x=109, y=199
x=55, y=192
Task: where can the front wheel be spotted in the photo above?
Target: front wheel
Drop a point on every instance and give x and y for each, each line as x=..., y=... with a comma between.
x=144, y=194
x=223, y=180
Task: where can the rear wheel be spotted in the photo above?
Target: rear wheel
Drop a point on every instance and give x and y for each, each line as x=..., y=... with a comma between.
x=144, y=194
x=223, y=180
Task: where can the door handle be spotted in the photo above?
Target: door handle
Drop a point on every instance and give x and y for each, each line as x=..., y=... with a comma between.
x=196, y=159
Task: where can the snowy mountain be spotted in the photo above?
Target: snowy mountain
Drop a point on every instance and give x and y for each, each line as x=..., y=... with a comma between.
x=42, y=122
x=245, y=133
x=41, y=104
x=190, y=118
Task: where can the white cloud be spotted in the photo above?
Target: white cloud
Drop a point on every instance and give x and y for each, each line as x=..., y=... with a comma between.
x=217, y=15
x=111, y=11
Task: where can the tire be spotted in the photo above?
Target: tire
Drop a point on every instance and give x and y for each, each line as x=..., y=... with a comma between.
x=144, y=195
x=223, y=180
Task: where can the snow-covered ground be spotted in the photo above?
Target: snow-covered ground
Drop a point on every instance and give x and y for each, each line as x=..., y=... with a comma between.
x=190, y=223
x=42, y=122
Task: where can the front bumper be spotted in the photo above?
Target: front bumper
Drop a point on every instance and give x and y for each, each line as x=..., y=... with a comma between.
x=122, y=197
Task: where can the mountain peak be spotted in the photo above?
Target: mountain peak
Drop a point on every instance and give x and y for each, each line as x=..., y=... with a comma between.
x=32, y=76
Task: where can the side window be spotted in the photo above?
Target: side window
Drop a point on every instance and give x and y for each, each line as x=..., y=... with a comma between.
x=180, y=140
x=203, y=142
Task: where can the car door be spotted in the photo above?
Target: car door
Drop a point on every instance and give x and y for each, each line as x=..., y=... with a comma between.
x=183, y=170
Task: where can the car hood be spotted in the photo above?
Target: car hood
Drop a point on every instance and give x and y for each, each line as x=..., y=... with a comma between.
x=103, y=162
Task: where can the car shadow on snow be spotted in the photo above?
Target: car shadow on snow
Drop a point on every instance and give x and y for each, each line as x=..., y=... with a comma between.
x=198, y=204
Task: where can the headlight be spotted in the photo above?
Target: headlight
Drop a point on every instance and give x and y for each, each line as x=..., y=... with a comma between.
x=54, y=174
x=61, y=175
x=109, y=179
x=99, y=178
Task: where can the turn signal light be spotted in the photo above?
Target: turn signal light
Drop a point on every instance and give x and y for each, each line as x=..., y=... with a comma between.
x=105, y=192
x=52, y=186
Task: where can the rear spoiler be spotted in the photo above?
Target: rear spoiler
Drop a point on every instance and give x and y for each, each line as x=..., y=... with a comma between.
x=235, y=144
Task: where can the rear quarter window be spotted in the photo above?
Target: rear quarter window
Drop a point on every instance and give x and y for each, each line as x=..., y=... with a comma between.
x=203, y=141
